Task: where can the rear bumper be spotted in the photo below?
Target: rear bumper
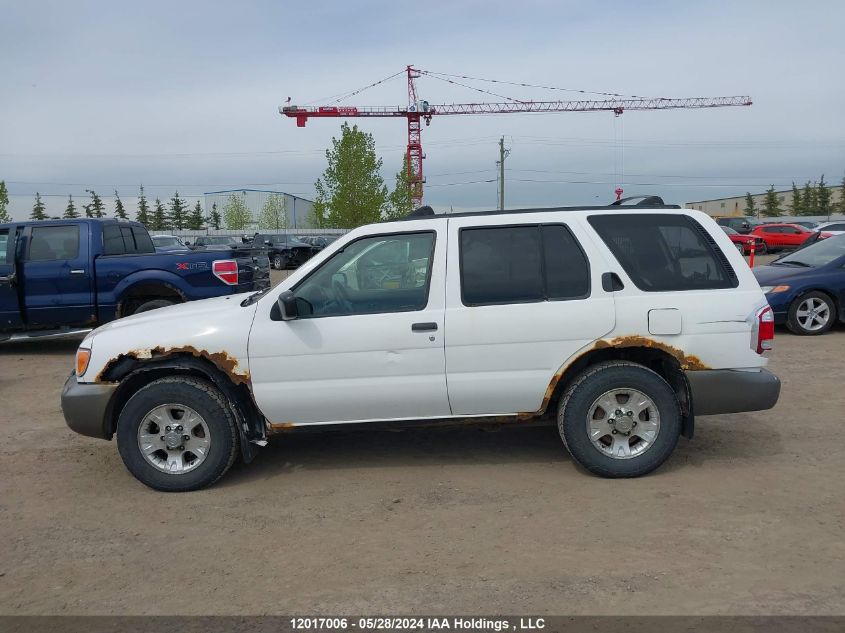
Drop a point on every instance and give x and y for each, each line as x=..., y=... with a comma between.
x=732, y=391
x=86, y=405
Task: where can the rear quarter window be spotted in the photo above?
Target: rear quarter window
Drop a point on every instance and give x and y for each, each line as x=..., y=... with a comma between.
x=665, y=252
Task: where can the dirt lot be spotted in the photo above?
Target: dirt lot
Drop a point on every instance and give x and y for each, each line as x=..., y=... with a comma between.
x=745, y=519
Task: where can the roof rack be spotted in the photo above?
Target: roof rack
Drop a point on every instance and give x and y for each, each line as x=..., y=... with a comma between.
x=650, y=202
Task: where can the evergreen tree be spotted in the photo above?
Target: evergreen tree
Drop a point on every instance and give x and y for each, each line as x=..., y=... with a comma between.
x=196, y=219
x=235, y=214
x=38, y=209
x=96, y=208
x=399, y=202
x=4, y=202
x=159, y=219
x=178, y=210
x=841, y=197
x=810, y=199
x=119, y=210
x=273, y=213
x=770, y=204
x=351, y=191
x=143, y=209
x=215, y=218
x=796, y=208
x=823, y=198
x=750, y=206
x=70, y=210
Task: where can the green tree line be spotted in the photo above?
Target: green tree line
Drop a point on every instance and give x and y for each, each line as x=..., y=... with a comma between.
x=814, y=198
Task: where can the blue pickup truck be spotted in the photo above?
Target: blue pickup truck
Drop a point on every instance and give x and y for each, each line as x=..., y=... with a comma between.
x=61, y=276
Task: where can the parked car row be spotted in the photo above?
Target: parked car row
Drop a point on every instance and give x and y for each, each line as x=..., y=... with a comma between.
x=775, y=236
x=284, y=251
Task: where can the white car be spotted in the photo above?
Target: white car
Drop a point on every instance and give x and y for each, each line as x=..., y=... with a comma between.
x=836, y=227
x=618, y=323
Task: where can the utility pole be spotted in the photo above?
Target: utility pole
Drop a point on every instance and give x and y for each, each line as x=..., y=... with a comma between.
x=503, y=154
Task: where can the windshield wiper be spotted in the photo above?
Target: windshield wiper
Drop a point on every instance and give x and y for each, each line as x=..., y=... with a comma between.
x=794, y=262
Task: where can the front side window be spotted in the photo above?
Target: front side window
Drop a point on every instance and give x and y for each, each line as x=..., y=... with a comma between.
x=663, y=252
x=385, y=273
x=53, y=243
x=521, y=264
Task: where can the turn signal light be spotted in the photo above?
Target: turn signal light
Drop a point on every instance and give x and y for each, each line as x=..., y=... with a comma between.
x=82, y=357
x=226, y=270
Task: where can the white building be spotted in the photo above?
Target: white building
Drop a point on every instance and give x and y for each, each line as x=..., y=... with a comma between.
x=299, y=211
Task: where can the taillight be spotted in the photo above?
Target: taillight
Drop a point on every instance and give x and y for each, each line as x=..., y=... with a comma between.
x=765, y=329
x=226, y=270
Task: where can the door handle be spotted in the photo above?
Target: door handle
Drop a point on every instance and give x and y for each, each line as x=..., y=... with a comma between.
x=610, y=282
x=77, y=271
x=423, y=327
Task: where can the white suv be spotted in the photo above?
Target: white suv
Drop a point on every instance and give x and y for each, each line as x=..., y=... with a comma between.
x=620, y=323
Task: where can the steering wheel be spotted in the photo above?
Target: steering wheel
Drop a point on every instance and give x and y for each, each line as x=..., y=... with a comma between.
x=341, y=294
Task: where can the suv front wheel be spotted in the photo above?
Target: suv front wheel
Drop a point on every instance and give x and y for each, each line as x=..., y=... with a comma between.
x=619, y=419
x=177, y=434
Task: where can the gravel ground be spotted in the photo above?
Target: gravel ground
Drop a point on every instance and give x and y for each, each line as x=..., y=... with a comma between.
x=747, y=518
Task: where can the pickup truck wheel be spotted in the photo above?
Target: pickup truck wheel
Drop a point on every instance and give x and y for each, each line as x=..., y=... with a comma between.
x=155, y=304
x=619, y=419
x=177, y=434
x=812, y=313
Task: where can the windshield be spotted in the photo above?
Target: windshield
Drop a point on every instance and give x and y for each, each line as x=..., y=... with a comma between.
x=223, y=239
x=819, y=254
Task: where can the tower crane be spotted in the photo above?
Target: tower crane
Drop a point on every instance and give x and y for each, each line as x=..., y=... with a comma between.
x=418, y=111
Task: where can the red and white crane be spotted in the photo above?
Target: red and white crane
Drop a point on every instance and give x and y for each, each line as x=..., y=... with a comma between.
x=418, y=111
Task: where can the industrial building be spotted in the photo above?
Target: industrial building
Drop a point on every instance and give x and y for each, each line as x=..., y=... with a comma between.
x=736, y=205
x=298, y=211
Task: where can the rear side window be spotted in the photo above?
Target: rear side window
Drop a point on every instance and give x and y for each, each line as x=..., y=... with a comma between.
x=143, y=243
x=113, y=240
x=662, y=252
x=521, y=264
x=53, y=243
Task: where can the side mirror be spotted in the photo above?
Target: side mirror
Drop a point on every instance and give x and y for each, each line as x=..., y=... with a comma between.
x=287, y=306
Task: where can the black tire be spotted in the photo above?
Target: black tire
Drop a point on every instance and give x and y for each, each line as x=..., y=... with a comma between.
x=762, y=249
x=795, y=325
x=203, y=398
x=278, y=264
x=574, y=409
x=153, y=304
x=740, y=248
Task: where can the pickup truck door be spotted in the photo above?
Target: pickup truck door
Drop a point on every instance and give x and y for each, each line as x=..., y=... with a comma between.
x=56, y=275
x=368, y=343
x=10, y=313
x=521, y=301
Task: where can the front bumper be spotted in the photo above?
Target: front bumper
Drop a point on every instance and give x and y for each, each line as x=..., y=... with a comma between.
x=732, y=391
x=86, y=407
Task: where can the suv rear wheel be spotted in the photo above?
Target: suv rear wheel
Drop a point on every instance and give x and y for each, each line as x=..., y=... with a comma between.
x=619, y=419
x=177, y=434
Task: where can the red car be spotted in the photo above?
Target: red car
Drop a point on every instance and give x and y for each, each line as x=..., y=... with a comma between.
x=744, y=242
x=782, y=235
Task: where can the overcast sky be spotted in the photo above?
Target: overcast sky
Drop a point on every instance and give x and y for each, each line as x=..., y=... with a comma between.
x=185, y=95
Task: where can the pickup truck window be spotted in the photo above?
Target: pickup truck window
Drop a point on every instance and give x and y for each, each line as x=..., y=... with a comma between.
x=4, y=244
x=521, y=264
x=663, y=252
x=113, y=241
x=51, y=243
x=384, y=273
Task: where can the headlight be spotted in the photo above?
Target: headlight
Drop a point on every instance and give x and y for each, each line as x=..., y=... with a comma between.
x=773, y=289
x=82, y=357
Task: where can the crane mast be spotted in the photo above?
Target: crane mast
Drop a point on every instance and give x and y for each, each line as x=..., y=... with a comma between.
x=418, y=111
